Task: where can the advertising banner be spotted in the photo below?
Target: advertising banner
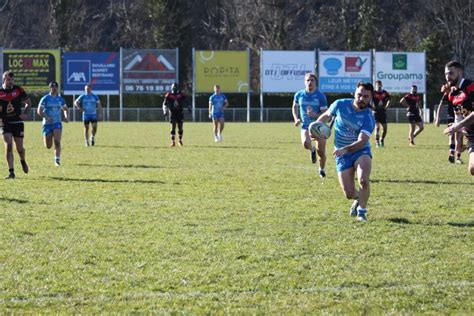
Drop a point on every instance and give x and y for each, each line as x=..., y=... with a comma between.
x=101, y=70
x=34, y=69
x=400, y=70
x=283, y=71
x=229, y=69
x=149, y=70
x=340, y=71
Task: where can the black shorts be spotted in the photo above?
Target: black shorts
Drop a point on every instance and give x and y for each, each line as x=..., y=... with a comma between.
x=177, y=118
x=16, y=129
x=415, y=118
x=380, y=118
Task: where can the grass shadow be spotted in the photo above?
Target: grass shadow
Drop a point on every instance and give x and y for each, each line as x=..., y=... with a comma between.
x=105, y=180
x=13, y=200
x=404, y=221
x=419, y=181
x=468, y=224
x=231, y=147
x=119, y=166
x=131, y=147
x=399, y=220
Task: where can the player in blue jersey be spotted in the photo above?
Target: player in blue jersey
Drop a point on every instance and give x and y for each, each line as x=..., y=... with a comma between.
x=308, y=105
x=91, y=109
x=217, y=104
x=354, y=124
x=50, y=108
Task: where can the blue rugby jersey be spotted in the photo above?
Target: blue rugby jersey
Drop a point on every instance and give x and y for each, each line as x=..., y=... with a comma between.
x=52, y=106
x=316, y=100
x=349, y=123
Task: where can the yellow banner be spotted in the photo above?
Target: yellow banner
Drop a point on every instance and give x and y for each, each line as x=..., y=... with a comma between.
x=229, y=69
x=34, y=69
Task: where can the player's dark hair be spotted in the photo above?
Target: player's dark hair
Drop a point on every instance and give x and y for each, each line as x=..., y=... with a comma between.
x=311, y=75
x=415, y=86
x=378, y=81
x=454, y=63
x=366, y=86
x=467, y=106
x=7, y=73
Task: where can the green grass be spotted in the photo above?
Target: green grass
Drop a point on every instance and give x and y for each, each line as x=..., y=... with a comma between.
x=241, y=227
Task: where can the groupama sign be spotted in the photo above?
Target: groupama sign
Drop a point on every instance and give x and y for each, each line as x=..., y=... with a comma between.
x=398, y=71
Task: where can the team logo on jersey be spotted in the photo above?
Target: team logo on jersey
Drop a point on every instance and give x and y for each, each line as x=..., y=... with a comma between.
x=399, y=62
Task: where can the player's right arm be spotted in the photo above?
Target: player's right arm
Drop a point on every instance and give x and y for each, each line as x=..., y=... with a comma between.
x=294, y=111
x=40, y=108
x=438, y=112
x=403, y=102
x=325, y=117
x=78, y=103
x=165, y=105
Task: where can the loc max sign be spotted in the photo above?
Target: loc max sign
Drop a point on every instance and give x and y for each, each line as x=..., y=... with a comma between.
x=34, y=69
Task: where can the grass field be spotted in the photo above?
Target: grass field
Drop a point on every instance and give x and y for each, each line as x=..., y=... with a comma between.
x=243, y=227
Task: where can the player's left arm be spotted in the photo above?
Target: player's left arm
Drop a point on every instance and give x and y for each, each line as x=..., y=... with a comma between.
x=99, y=108
x=458, y=126
x=65, y=112
x=388, y=101
x=226, y=104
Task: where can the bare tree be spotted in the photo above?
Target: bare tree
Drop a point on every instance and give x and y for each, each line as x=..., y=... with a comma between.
x=455, y=19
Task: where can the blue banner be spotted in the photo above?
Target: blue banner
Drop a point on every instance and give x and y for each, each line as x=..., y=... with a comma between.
x=101, y=70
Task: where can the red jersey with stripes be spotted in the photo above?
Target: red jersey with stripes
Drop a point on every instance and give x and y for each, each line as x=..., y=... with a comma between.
x=11, y=101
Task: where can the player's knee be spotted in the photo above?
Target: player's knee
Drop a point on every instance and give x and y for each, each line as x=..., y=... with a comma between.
x=307, y=145
x=350, y=194
x=173, y=132
x=57, y=143
x=471, y=169
x=321, y=153
x=364, y=182
x=9, y=147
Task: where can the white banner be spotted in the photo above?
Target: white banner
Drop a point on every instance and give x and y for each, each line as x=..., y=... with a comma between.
x=340, y=71
x=283, y=71
x=399, y=71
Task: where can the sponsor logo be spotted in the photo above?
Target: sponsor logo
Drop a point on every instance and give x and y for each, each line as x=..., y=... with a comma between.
x=149, y=62
x=354, y=64
x=77, y=77
x=332, y=66
x=399, y=62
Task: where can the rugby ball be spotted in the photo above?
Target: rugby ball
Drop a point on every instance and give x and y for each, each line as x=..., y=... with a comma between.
x=319, y=130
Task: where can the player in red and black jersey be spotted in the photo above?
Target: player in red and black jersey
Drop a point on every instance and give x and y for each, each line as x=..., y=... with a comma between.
x=458, y=91
x=173, y=105
x=380, y=101
x=466, y=125
x=412, y=102
x=12, y=99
